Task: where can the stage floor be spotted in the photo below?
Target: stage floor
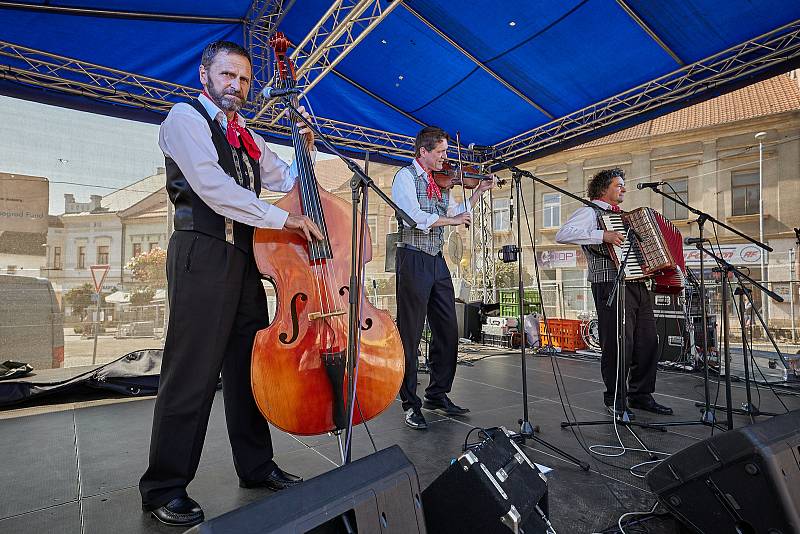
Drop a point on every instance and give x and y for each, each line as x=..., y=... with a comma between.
x=74, y=468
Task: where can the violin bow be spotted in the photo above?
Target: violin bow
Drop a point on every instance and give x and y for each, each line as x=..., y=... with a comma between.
x=461, y=172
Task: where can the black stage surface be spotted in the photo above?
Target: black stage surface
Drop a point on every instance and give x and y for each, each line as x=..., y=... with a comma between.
x=73, y=468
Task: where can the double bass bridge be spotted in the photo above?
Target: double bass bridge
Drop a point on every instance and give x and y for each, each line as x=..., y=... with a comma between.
x=313, y=316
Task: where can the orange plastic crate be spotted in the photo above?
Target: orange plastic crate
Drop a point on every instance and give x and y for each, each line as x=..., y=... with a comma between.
x=564, y=333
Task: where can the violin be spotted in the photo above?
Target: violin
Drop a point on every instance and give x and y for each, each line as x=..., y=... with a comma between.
x=451, y=175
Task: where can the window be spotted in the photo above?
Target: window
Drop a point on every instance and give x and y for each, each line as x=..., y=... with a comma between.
x=81, y=257
x=744, y=186
x=56, y=257
x=501, y=214
x=137, y=249
x=393, y=225
x=372, y=221
x=102, y=254
x=551, y=209
x=153, y=245
x=673, y=211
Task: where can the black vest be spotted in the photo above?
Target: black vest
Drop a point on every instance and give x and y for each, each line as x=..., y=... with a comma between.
x=191, y=213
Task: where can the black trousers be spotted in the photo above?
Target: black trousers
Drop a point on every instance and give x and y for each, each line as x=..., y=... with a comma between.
x=641, y=342
x=424, y=287
x=217, y=304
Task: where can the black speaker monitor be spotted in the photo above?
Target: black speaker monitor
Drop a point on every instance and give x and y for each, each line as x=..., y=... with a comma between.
x=743, y=481
x=378, y=493
x=493, y=488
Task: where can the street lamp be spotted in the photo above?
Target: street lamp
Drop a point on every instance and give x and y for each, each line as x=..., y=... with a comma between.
x=760, y=137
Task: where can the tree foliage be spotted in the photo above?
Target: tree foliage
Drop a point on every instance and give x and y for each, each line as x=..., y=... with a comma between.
x=142, y=296
x=80, y=299
x=150, y=268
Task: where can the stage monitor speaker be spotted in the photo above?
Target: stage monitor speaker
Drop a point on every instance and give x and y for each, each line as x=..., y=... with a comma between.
x=493, y=488
x=391, y=251
x=468, y=316
x=378, y=493
x=670, y=327
x=742, y=481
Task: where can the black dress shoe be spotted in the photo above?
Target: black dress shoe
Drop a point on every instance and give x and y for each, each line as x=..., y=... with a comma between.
x=277, y=480
x=179, y=512
x=444, y=405
x=650, y=405
x=415, y=419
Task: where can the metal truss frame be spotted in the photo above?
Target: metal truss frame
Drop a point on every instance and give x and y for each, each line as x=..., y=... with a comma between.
x=483, y=252
x=261, y=21
x=51, y=71
x=746, y=59
x=42, y=69
x=340, y=29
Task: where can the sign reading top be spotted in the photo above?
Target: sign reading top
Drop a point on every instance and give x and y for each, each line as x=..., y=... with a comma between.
x=24, y=202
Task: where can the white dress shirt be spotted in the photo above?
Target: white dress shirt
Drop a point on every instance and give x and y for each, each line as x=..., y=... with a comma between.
x=581, y=228
x=185, y=136
x=404, y=194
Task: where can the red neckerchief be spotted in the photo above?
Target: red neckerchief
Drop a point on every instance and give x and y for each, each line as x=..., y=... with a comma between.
x=432, y=189
x=235, y=132
x=615, y=209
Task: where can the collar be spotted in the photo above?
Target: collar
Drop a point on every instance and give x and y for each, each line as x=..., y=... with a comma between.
x=602, y=203
x=420, y=171
x=217, y=114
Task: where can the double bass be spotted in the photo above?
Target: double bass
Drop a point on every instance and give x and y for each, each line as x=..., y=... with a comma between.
x=299, y=362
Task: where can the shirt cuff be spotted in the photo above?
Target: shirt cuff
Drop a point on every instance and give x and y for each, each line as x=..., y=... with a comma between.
x=597, y=235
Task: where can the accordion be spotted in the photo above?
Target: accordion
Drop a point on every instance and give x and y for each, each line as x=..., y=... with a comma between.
x=659, y=255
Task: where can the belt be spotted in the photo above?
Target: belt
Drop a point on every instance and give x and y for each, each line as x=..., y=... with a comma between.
x=409, y=247
x=416, y=249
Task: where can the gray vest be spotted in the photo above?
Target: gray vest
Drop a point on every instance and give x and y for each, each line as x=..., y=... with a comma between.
x=431, y=241
x=601, y=267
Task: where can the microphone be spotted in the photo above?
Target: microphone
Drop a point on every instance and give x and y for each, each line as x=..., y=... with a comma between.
x=278, y=92
x=694, y=241
x=649, y=184
x=479, y=148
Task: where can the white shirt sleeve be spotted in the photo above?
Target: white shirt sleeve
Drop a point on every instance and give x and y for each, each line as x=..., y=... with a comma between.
x=581, y=228
x=186, y=138
x=404, y=194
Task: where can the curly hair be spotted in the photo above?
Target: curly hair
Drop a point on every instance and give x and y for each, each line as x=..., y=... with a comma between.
x=429, y=137
x=212, y=49
x=599, y=183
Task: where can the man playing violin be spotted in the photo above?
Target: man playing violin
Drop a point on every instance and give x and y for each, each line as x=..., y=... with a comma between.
x=424, y=286
x=215, y=169
x=607, y=191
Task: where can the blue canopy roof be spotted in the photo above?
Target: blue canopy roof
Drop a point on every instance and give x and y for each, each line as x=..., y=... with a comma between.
x=506, y=73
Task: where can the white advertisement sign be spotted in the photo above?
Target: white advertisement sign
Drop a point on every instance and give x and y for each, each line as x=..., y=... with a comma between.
x=554, y=259
x=735, y=254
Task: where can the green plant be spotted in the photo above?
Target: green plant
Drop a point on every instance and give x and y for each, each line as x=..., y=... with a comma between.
x=80, y=299
x=142, y=296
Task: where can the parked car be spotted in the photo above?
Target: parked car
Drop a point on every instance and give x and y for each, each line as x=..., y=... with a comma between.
x=31, y=322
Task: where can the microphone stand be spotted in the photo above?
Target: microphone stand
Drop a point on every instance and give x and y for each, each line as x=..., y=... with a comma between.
x=725, y=268
x=621, y=391
x=707, y=416
x=527, y=430
x=360, y=185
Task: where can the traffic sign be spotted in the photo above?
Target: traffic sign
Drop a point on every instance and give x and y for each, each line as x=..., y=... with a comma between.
x=99, y=273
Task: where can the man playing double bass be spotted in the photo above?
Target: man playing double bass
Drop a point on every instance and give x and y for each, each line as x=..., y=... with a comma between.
x=424, y=286
x=215, y=170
